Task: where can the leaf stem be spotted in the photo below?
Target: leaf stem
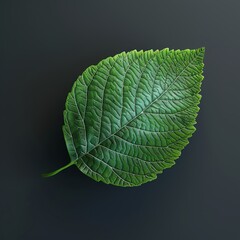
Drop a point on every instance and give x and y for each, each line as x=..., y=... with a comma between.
x=58, y=170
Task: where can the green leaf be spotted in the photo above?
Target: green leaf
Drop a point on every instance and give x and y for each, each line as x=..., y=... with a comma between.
x=130, y=116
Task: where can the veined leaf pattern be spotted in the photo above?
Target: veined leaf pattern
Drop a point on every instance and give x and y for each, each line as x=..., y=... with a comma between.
x=129, y=117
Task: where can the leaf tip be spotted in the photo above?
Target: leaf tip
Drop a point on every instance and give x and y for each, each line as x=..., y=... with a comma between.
x=202, y=49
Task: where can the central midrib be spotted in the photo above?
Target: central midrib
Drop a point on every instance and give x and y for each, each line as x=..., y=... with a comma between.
x=155, y=100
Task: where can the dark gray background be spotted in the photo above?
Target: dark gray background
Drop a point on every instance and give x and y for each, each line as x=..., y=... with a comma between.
x=45, y=45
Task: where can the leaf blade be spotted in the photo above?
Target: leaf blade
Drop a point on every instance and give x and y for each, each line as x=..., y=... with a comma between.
x=133, y=94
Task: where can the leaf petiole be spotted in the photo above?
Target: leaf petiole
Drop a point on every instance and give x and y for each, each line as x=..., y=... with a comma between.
x=58, y=170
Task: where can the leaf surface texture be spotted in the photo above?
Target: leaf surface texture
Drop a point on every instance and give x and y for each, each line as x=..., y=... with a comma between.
x=130, y=116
